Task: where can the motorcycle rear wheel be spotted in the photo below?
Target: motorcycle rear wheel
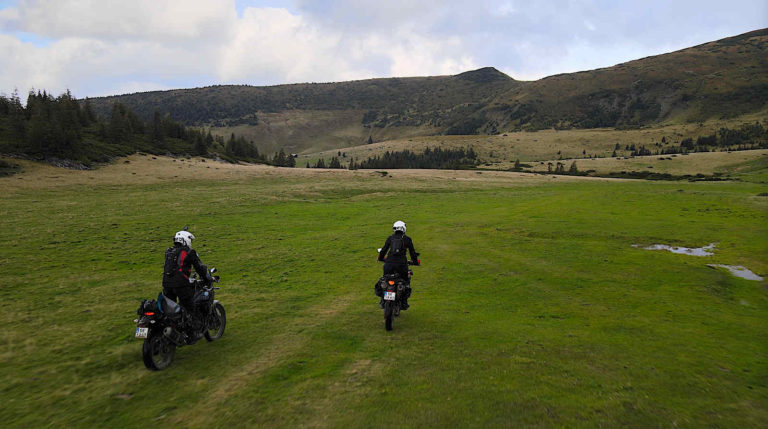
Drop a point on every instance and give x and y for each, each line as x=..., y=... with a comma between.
x=157, y=351
x=388, y=314
x=218, y=323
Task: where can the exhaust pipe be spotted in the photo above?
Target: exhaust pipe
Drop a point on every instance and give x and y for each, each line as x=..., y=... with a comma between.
x=176, y=337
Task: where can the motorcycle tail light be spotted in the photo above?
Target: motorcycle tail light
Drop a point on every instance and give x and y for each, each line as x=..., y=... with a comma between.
x=149, y=313
x=391, y=282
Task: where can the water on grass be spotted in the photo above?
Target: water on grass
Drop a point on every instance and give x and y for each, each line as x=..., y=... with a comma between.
x=738, y=271
x=693, y=251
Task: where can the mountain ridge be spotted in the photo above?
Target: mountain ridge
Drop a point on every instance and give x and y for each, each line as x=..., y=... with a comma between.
x=723, y=78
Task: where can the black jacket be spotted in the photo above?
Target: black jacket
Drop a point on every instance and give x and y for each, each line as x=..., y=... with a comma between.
x=392, y=259
x=187, y=259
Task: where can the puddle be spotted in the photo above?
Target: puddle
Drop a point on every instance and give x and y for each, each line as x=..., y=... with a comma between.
x=738, y=271
x=696, y=251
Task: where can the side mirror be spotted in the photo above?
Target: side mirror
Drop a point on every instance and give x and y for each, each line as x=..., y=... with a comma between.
x=213, y=270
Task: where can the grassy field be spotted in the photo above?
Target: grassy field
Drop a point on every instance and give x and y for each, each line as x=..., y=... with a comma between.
x=751, y=165
x=307, y=131
x=501, y=151
x=531, y=308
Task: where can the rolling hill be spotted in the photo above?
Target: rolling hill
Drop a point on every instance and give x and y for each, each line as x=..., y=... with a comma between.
x=724, y=78
x=719, y=79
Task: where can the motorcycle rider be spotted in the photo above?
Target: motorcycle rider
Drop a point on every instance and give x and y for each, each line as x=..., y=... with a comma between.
x=179, y=261
x=396, y=262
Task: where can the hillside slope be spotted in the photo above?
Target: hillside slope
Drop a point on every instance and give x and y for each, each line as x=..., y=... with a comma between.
x=336, y=114
x=724, y=78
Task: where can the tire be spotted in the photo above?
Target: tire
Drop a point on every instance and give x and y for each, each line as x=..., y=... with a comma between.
x=388, y=315
x=218, y=322
x=157, y=351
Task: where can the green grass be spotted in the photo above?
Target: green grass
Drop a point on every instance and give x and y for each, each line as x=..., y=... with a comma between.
x=531, y=308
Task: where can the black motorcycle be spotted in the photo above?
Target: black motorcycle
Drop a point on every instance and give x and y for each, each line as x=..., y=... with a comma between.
x=393, y=290
x=164, y=325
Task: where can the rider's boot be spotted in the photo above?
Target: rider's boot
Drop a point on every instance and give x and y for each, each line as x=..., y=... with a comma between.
x=404, y=305
x=197, y=332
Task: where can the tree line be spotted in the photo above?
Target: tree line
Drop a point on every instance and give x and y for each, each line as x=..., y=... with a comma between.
x=746, y=137
x=64, y=127
x=437, y=158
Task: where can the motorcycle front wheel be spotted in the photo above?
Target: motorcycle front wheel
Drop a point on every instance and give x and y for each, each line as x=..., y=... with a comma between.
x=388, y=314
x=157, y=351
x=217, y=323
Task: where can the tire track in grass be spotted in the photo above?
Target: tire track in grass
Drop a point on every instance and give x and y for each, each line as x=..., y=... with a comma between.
x=290, y=342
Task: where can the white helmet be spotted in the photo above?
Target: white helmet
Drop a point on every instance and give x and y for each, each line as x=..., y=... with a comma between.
x=399, y=226
x=184, y=238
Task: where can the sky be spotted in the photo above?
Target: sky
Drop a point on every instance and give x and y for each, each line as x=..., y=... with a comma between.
x=105, y=47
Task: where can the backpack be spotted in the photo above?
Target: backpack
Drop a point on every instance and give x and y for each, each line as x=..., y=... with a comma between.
x=397, y=246
x=172, y=261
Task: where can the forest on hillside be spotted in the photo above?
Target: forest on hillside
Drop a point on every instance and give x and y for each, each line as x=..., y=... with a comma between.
x=64, y=128
x=431, y=158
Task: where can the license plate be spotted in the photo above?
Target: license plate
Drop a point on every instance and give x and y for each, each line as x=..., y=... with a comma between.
x=141, y=332
x=389, y=296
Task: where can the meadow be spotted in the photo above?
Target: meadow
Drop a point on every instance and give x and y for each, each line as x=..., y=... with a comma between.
x=531, y=308
x=502, y=150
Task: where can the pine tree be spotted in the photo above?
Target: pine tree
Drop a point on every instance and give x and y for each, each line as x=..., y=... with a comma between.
x=280, y=160
x=17, y=118
x=119, y=128
x=90, y=115
x=200, y=148
x=231, y=145
x=573, y=170
x=157, y=128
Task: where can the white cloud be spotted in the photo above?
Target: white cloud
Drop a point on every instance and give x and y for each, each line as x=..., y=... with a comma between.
x=8, y=16
x=504, y=9
x=276, y=46
x=115, y=19
x=411, y=54
x=130, y=87
x=117, y=47
x=99, y=47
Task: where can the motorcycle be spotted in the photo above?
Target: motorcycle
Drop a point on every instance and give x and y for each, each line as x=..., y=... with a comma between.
x=165, y=325
x=393, y=289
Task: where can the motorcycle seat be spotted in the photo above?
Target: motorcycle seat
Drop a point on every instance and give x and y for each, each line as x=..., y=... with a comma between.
x=170, y=307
